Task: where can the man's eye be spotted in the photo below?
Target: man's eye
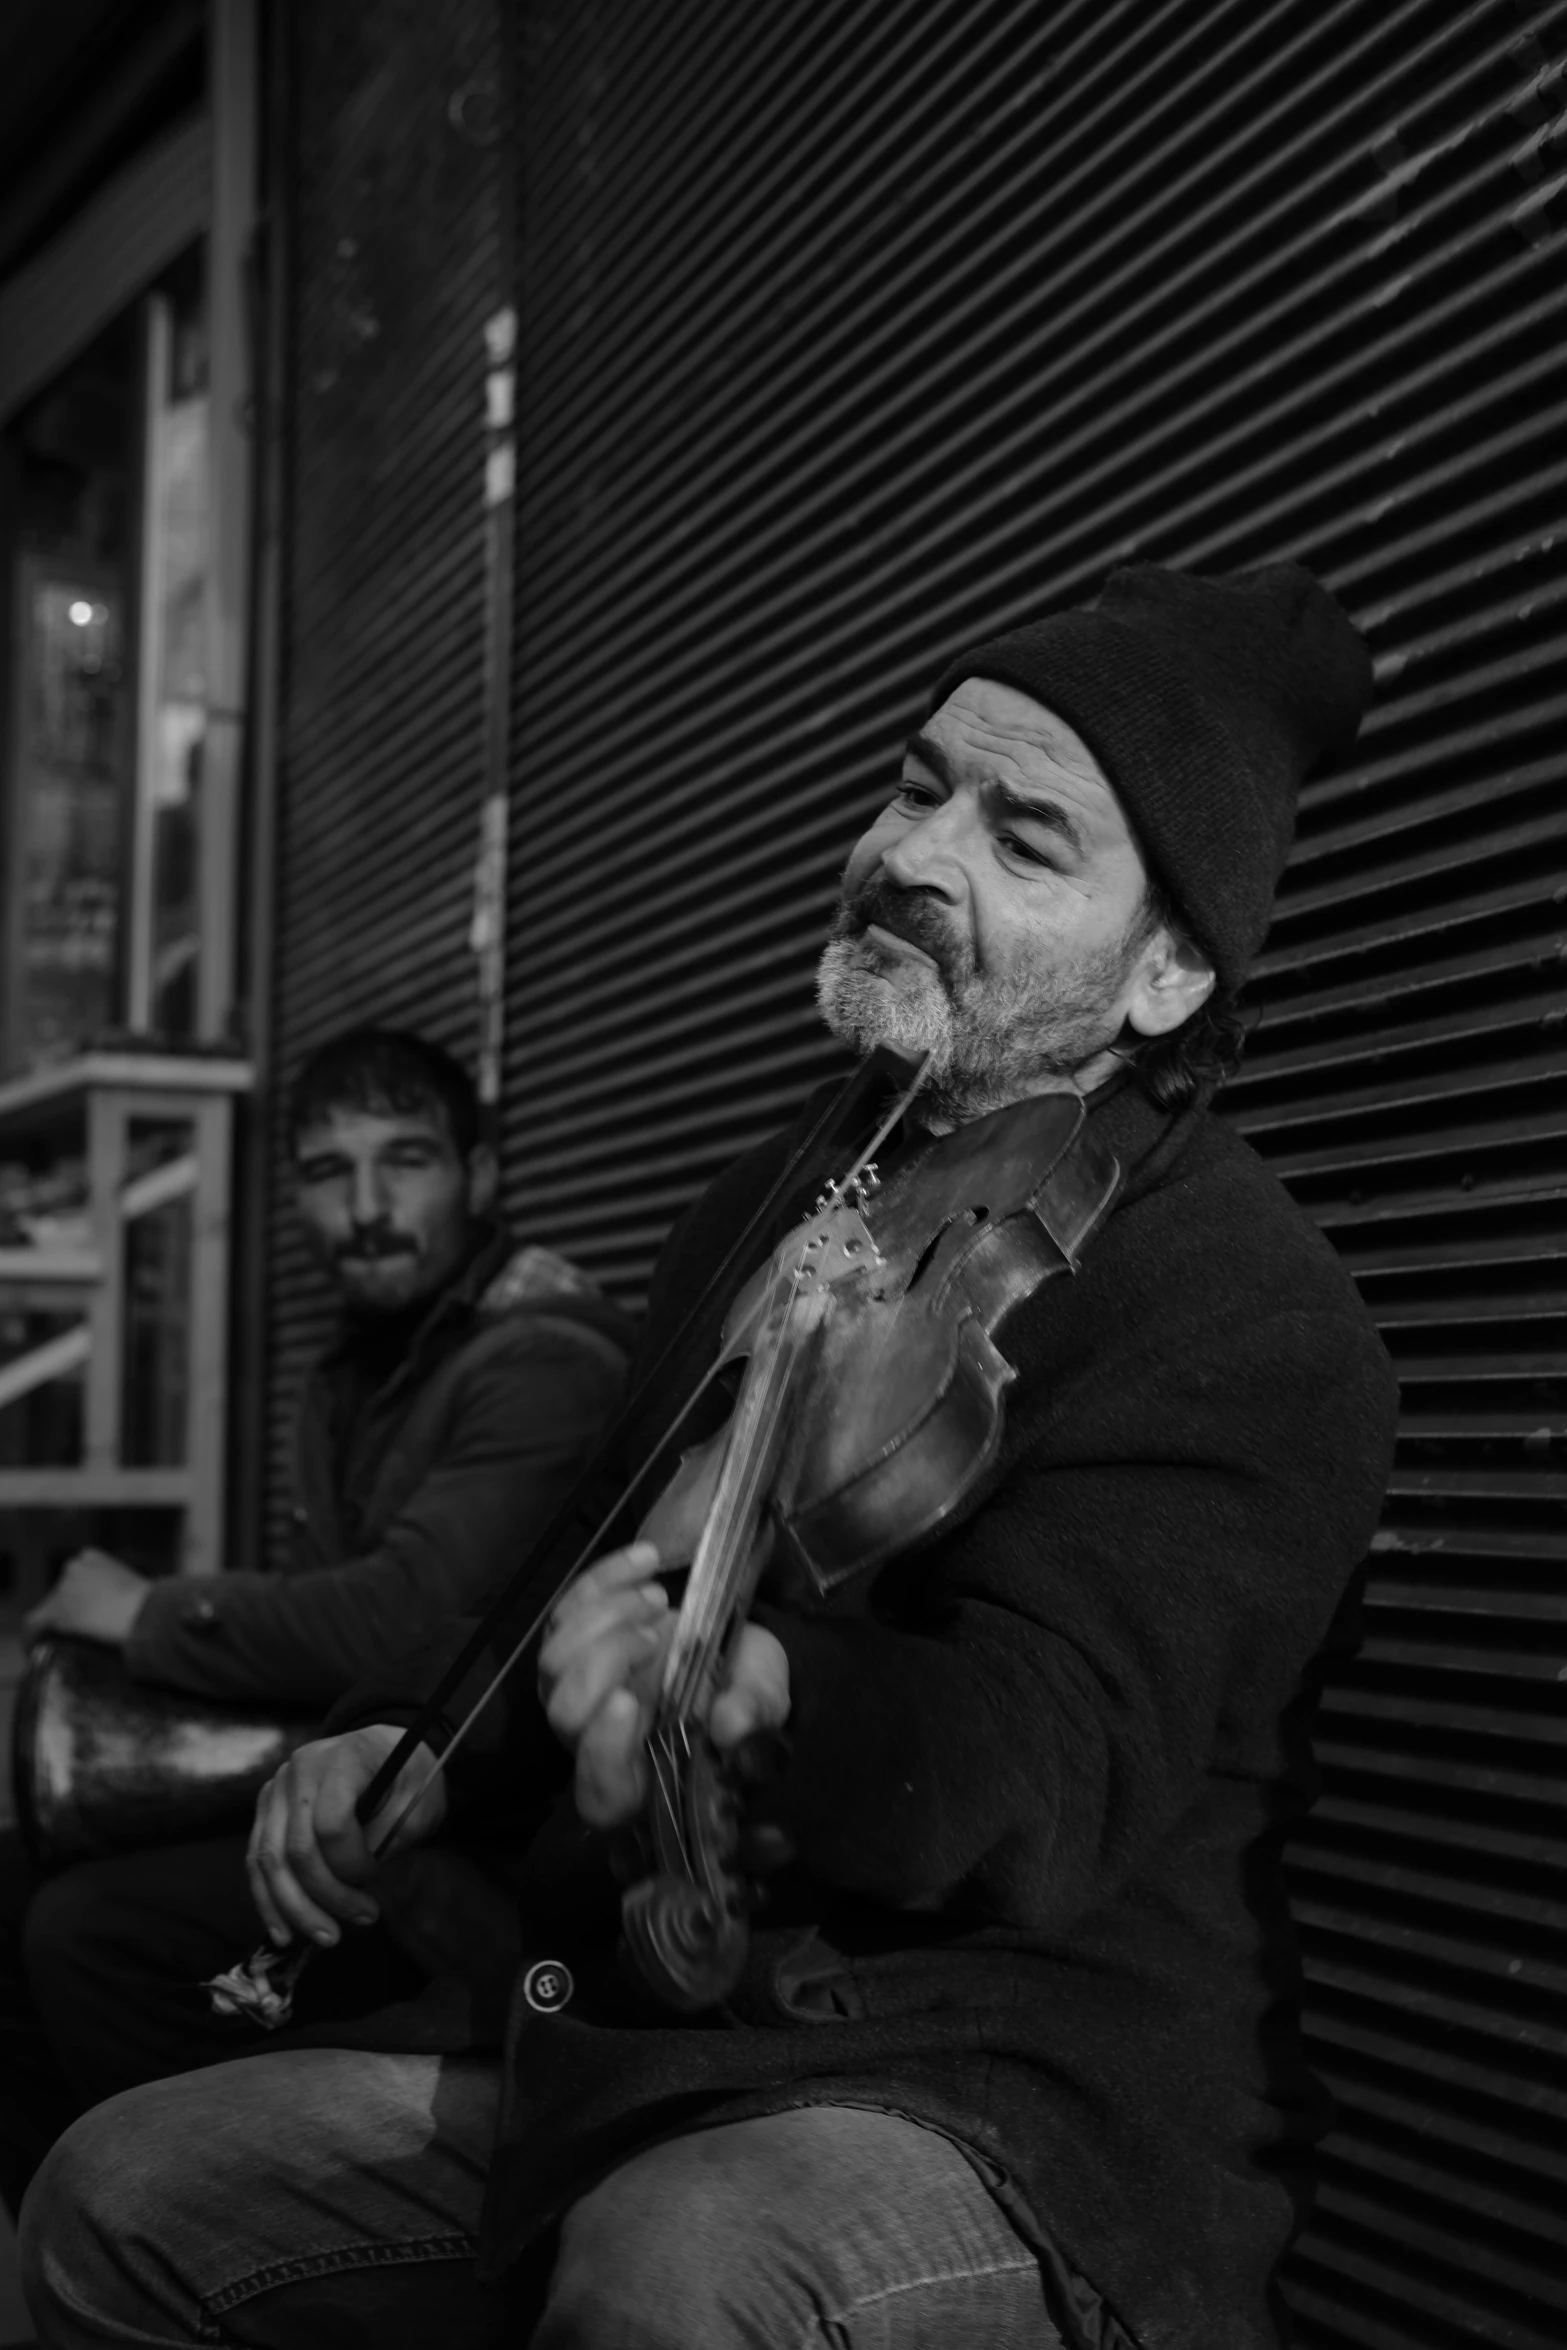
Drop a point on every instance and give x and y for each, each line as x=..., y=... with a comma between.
x=1024, y=849
x=918, y=795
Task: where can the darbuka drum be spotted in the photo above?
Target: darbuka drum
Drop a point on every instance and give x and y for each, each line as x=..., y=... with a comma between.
x=102, y=1763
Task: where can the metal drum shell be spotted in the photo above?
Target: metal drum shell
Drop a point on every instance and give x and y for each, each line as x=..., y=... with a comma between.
x=102, y=1763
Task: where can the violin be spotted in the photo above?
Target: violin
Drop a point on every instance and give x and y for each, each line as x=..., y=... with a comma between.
x=870, y=1406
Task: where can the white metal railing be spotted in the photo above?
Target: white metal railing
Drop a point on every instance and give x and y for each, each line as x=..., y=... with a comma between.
x=139, y=1278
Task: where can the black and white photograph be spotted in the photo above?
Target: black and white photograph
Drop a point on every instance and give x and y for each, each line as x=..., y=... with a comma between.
x=783, y=1174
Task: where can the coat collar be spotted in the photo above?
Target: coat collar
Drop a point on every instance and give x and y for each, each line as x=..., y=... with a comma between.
x=1147, y=1140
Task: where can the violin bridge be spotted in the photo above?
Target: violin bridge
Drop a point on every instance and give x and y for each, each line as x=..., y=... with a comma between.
x=836, y=1241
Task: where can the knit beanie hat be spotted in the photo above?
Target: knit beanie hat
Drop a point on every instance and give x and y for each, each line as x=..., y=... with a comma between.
x=1206, y=702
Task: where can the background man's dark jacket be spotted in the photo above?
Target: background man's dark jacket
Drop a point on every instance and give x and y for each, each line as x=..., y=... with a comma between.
x=423, y=1458
x=413, y=1495
x=1038, y=1776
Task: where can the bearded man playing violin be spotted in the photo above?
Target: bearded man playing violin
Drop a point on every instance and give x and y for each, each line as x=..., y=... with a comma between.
x=1012, y=1718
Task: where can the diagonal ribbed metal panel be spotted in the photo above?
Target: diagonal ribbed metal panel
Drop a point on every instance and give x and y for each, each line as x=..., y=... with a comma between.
x=394, y=229
x=1407, y=1079
x=853, y=334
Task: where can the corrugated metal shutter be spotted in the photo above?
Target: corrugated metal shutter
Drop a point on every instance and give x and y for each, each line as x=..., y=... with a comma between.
x=394, y=228
x=850, y=334
x=1407, y=1082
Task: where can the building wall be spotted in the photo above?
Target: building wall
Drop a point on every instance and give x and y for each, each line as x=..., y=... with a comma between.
x=391, y=178
x=850, y=335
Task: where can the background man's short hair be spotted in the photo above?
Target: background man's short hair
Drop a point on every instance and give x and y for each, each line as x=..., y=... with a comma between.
x=384, y=1069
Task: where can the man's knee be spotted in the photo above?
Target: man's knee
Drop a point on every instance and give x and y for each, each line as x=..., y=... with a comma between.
x=69, y=2182
x=815, y=2219
x=668, y=2250
x=130, y=2202
x=77, y=2227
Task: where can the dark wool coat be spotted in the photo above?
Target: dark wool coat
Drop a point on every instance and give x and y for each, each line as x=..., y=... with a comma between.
x=1038, y=1776
x=411, y=1491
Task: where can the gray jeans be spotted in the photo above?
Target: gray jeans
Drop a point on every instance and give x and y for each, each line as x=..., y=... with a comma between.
x=320, y=2198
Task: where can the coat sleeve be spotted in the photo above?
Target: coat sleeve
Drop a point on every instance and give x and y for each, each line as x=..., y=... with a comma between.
x=523, y=1422
x=1044, y=1692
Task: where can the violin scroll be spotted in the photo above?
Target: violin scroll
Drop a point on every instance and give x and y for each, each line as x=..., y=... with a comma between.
x=685, y=1924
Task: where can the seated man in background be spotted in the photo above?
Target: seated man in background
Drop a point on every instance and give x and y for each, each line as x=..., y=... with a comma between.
x=470, y=1380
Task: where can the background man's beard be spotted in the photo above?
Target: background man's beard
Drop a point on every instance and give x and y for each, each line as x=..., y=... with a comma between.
x=994, y=1040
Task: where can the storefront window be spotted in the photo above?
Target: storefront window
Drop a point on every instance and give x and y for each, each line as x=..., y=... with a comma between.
x=71, y=752
x=108, y=555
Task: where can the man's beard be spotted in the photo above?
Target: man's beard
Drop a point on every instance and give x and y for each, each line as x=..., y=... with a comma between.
x=379, y=1275
x=993, y=1040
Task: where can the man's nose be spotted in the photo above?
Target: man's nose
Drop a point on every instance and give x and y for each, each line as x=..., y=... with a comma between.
x=369, y=1199
x=929, y=854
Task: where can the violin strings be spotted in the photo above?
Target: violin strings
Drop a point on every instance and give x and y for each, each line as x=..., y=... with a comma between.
x=706, y=1592
x=666, y=1773
x=692, y=1627
x=709, y=1595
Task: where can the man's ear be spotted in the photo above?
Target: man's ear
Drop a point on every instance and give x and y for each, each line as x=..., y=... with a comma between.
x=484, y=1177
x=1174, y=980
